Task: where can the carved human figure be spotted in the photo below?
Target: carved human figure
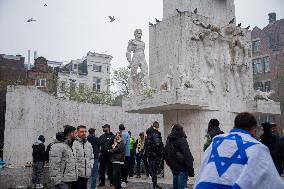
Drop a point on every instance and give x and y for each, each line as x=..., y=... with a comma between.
x=137, y=47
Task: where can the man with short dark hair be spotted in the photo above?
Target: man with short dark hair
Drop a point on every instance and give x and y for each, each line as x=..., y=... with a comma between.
x=95, y=144
x=105, y=141
x=154, y=148
x=84, y=157
x=237, y=160
x=62, y=161
x=125, y=166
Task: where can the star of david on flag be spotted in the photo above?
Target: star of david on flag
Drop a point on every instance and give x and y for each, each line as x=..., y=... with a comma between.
x=239, y=157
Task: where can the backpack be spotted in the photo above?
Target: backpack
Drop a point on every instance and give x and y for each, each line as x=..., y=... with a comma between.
x=155, y=144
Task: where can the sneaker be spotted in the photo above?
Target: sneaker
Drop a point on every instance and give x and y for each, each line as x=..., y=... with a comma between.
x=39, y=186
x=101, y=185
x=157, y=187
x=123, y=185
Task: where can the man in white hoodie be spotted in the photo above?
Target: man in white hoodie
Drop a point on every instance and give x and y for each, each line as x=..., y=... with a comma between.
x=236, y=160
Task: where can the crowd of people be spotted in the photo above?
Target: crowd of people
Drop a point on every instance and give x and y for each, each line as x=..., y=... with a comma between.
x=75, y=157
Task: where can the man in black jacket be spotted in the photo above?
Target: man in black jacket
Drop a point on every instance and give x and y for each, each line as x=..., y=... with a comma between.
x=178, y=157
x=105, y=141
x=154, y=151
x=39, y=157
x=95, y=144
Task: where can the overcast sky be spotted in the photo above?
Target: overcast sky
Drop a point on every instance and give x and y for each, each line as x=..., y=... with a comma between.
x=68, y=29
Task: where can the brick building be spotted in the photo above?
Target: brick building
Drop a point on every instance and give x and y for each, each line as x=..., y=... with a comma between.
x=42, y=76
x=268, y=64
x=12, y=71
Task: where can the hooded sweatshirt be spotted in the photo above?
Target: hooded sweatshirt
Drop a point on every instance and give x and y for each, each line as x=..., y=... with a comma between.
x=39, y=152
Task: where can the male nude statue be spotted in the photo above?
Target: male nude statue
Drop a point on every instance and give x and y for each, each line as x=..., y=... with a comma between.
x=138, y=59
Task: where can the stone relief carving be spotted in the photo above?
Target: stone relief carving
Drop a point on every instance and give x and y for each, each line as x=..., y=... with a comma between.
x=167, y=83
x=137, y=47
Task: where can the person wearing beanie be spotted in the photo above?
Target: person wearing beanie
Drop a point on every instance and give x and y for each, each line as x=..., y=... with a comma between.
x=154, y=149
x=178, y=157
x=39, y=157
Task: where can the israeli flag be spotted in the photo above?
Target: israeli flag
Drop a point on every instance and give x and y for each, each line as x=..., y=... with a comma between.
x=237, y=161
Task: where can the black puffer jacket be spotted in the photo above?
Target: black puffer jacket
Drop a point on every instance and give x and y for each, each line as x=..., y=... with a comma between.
x=95, y=144
x=39, y=152
x=177, y=154
x=154, y=146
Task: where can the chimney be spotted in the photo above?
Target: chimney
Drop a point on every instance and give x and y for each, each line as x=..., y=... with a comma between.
x=29, y=59
x=272, y=17
x=35, y=55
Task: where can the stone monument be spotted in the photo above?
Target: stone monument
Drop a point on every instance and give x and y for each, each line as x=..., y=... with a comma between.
x=138, y=80
x=200, y=64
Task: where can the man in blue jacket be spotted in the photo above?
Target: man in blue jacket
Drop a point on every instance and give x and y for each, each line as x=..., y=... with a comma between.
x=124, y=168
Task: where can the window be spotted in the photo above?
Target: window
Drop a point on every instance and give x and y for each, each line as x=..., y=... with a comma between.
x=96, y=84
x=258, y=86
x=75, y=66
x=40, y=83
x=257, y=66
x=81, y=87
x=62, y=86
x=266, y=64
x=97, y=68
x=267, y=86
x=255, y=46
x=72, y=86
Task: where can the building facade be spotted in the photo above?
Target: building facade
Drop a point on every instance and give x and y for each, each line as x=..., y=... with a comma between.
x=268, y=64
x=12, y=71
x=92, y=72
x=42, y=76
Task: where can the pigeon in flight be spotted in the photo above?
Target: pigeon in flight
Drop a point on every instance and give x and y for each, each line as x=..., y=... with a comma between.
x=112, y=19
x=240, y=24
x=31, y=20
x=178, y=11
x=232, y=21
x=157, y=20
x=45, y=5
x=195, y=11
x=247, y=27
x=150, y=24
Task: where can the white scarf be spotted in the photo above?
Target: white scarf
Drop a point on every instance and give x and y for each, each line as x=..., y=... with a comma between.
x=237, y=161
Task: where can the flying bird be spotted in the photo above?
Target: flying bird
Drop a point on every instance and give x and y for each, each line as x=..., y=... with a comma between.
x=157, y=20
x=31, y=20
x=247, y=27
x=112, y=19
x=195, y=11
x=150, y=24
x=240, y=24
x=232, y=21
x=45, y=5
x=178, y=11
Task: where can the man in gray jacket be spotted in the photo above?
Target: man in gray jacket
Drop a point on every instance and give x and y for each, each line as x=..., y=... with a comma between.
x=84, y=158
x=62, y=161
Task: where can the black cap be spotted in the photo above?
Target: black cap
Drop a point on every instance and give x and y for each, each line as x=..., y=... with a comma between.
x=106, y=126
x=41, y=138
x=121, y=127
